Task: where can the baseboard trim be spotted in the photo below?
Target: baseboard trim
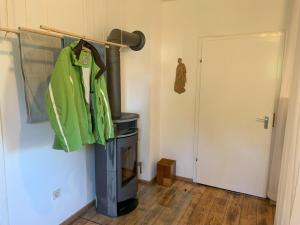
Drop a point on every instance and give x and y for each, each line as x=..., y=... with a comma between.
x=272, y=202
x=146, y=181
x=75, y=216
x=186, y=179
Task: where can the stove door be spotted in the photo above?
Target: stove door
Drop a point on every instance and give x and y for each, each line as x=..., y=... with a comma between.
x=127, y=167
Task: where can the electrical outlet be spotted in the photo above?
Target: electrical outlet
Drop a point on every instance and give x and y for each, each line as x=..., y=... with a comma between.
x=139, y=164
x=56, y=194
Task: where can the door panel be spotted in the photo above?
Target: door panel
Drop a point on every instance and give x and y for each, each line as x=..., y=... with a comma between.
x=239, y=80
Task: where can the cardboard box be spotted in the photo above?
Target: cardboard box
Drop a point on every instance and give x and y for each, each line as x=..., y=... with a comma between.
x=166, y=172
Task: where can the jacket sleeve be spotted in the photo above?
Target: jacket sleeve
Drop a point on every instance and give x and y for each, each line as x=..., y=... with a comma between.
x=61, y=106
x=108, y=123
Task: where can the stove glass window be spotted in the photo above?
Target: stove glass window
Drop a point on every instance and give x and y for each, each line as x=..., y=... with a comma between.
x=129, y=163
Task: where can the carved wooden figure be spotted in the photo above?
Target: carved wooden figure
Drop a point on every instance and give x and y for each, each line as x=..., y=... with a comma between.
x=180, y=79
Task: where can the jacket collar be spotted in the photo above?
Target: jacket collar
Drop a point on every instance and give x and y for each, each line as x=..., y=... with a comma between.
x=98, y=64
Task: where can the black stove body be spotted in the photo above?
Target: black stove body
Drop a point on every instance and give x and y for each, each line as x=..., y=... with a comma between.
x=116, y=169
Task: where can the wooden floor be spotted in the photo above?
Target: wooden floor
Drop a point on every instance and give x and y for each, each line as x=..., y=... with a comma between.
x=186, y=203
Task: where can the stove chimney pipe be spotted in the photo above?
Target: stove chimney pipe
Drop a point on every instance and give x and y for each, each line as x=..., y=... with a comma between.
x=136, y=41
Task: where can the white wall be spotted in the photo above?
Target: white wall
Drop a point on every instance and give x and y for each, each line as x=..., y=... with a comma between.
x=183, y=22
x=295, y=217
x=141, y=73
x=141, y=79
x=3, y=195
x=33, y=169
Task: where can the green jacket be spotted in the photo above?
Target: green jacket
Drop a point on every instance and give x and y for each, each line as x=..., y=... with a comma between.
x=77, y=102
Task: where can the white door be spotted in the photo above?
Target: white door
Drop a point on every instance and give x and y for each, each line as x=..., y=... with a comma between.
x=238, y=86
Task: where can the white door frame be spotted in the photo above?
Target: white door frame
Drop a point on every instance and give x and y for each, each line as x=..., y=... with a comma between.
x=4, y=218
x=198, y=84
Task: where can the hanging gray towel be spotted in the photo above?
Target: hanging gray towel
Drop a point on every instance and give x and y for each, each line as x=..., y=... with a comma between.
x=100, y=48
x=38, y=57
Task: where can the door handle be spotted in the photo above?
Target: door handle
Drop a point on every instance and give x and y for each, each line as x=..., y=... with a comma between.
x=265, y=121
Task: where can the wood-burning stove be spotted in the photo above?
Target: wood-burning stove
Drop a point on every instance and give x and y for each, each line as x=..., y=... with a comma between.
x=116, y=162
x=116, y=169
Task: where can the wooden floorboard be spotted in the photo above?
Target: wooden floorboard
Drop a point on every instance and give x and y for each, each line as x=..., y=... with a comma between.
x=233, y=211
x=264, y=213
x=249, y=211
x=185, y=203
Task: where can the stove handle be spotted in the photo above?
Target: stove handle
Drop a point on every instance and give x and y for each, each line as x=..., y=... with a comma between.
x=127, y=135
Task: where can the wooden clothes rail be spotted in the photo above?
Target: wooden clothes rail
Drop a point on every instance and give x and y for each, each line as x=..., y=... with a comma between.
x=52, y=29
x=9, y=30
x=26, y=29
x=53, y=32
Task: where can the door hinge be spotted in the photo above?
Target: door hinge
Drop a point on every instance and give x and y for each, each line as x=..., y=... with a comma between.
x=201, y=60
x=274, y=116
